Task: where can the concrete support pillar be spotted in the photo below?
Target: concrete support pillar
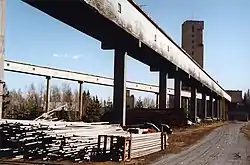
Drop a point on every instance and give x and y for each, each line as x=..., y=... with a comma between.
x=177, y=91
x=226, y=110
x=157, y=100
x=80, y=93
x=162, y=90
x=193, y=104
x=204, y=105
x=47, y=101
x=2, y=50
x=216, y=114
x=218, y=108
x=211, y=106
x=184, y=102
x=223, y=111
x=119, y=96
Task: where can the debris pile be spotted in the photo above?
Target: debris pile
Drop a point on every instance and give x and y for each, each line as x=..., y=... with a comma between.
x=43, y=140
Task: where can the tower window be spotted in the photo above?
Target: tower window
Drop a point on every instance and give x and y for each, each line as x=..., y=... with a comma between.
x=192, y=28
x=192, y=53
x=192, y=41
x=119, y=8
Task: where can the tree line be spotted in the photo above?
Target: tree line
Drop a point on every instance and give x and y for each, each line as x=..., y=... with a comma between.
x=19, y=104
x=29, y=104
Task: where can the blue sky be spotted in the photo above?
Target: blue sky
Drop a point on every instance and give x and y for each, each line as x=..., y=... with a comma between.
x=34, y=37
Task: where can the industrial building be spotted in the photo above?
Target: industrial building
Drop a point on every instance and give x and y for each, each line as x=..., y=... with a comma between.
x=236, y=109
x=192, y=40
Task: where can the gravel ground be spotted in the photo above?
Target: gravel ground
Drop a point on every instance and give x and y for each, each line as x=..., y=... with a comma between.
x=224, y=146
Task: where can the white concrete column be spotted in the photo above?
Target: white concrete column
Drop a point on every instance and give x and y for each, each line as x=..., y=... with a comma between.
x=80, y=93
x=157, y=100
x=47, y=101
x=2, y=51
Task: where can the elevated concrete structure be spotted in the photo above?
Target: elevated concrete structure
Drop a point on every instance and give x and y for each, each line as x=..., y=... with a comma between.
x=126, y=29
x=145, y=40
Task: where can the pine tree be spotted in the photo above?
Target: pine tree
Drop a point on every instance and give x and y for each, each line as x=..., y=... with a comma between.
x=93, y=110
x=139, y=103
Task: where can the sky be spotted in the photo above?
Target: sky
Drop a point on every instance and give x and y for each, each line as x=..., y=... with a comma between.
x=34, y=37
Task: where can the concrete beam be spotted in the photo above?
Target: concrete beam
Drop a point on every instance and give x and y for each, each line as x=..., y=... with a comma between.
x=2, y=50
x=31, y=69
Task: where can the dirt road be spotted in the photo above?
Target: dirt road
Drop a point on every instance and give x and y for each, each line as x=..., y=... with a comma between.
x=224, y=146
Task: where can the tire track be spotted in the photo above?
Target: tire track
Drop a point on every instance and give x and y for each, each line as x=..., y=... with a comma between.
x=224, y=146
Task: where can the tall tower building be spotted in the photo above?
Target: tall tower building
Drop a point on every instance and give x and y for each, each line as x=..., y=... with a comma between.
x=192, y=40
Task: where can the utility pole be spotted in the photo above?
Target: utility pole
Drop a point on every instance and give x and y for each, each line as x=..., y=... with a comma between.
x=2, y=49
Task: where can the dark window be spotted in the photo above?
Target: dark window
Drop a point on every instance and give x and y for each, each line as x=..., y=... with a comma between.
x=119, y=8
x=192, y=47
x=192, y=41
x=192, y=53
x=192, y=35
x=192, y=28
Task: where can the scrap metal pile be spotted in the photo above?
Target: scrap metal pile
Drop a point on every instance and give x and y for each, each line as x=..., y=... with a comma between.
x=46, y=140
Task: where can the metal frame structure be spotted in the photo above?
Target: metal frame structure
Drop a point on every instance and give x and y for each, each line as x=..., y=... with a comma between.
x=31, y=69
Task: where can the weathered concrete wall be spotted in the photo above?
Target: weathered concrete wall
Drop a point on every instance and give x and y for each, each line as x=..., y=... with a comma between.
x=131, y=18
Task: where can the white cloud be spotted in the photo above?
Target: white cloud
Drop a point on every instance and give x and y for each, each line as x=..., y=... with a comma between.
x=55, y=55
x=74, y=57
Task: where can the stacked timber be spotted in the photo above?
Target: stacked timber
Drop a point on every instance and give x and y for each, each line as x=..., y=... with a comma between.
x=173, y=117
x=45, y=140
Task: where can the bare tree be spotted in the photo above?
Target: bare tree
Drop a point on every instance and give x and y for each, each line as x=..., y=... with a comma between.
x=148, y=103
x=55, y=97
x=76, y=104
x=67, y=97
